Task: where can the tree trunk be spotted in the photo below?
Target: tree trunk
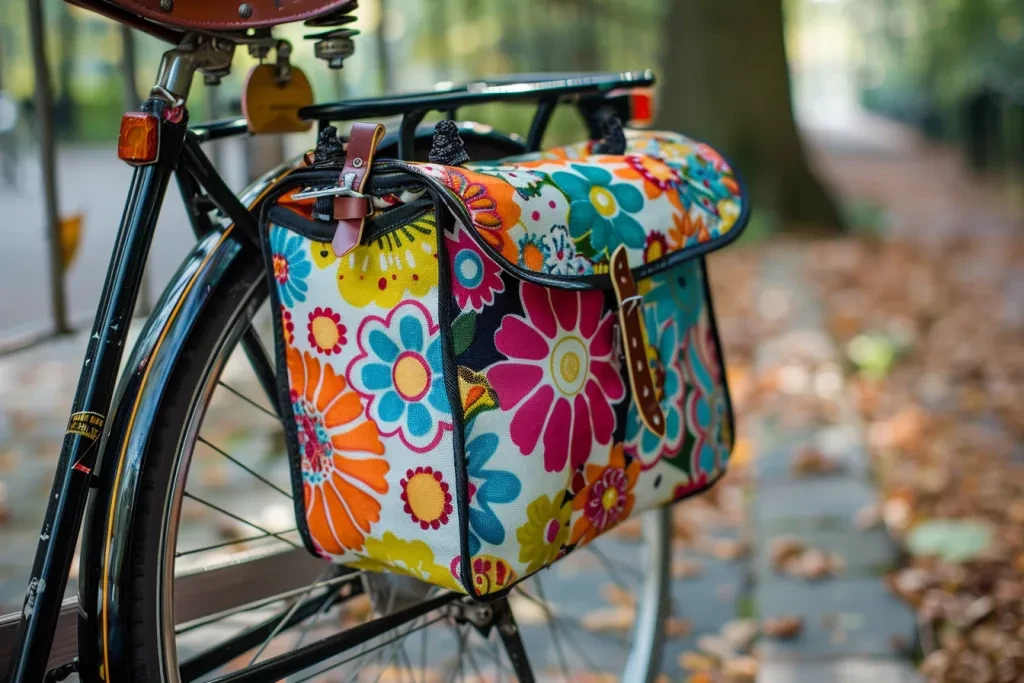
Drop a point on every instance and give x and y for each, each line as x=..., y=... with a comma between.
x=725, y=80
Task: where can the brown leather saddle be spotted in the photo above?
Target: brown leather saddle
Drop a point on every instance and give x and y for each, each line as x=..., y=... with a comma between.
x=216, y=15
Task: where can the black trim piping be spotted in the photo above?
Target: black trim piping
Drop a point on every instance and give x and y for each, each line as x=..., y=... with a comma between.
x=445, y=221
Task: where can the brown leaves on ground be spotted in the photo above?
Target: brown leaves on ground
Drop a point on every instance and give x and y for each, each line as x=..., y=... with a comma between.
x=944, y=424
x=726, y=655
x=790, y=555
x=783, y=628
x=810, y=462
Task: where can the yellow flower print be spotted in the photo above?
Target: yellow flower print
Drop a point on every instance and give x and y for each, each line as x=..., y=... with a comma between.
x=412, y=558
x=322, y=253
x=547, y=529
x=400, y=265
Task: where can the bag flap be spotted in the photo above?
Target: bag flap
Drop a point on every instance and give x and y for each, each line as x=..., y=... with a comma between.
x=556, y=217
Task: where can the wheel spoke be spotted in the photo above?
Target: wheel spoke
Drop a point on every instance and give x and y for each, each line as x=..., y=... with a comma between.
x=245, y=467
x=610, y=567
x=225, y=544
x=238, y=518
x=256, y=604
x=248, y=400
x=285, y=618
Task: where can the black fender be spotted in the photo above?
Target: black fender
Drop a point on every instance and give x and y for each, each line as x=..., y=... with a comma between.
x=103, y=570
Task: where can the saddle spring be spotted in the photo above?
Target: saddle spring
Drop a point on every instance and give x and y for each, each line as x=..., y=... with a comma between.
x=334, y=45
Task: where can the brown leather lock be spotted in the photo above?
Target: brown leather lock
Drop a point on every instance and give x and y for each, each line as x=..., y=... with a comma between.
x=351, y=210
x=634, y=343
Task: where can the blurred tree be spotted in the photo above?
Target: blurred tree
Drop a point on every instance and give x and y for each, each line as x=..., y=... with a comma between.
x=725, y=77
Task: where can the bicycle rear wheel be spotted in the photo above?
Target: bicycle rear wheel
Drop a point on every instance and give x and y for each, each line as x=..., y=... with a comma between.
x=220, y=584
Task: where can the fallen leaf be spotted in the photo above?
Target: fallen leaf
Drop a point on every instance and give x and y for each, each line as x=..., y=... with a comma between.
x=684, y=568
x=697, y=661
x=868, y=517
x=783, y=628
x=716, y=646
x=952, y=540
x=614, y=594
x=781, y=549
x=740, y=633
x=812, y=462
x=678, y=627
x=617, y=618
x=740, y=669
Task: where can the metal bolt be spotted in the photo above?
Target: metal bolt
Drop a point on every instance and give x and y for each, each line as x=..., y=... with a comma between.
x=357, y=162
x=167, y=5
x=245, y=10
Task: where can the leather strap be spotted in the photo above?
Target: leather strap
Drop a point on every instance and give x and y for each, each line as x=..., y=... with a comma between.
x=351, y=211
x=221, y=15
x=634, y=343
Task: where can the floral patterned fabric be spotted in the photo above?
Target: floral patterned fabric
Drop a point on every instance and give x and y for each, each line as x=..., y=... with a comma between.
x=455, y=420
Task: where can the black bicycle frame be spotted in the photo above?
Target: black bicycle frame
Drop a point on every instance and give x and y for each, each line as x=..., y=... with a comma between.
x=91, y=427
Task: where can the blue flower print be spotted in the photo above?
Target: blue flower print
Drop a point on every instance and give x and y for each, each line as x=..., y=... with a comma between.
x=705, y=176
x=602, y=208
x=487, y=487
x=291, y=266
x=678, y=294
x=399, y=371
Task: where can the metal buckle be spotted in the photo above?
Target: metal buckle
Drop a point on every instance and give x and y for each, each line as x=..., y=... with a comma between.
x=342, y=190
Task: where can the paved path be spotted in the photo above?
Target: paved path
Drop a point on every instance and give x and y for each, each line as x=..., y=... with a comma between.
x=853, y=629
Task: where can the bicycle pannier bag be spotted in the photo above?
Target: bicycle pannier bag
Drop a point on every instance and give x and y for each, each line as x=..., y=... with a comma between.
x=486, y=366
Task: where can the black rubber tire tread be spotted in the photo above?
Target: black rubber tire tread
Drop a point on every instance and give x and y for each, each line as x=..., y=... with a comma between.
x=188, y=376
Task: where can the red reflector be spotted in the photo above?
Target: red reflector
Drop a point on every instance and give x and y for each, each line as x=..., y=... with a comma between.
x=641, y=105
x=139, y=140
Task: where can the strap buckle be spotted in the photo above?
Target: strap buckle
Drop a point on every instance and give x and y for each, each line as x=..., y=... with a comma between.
x=343, y=189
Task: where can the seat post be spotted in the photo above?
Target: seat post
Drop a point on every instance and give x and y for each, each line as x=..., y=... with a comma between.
x=211, y=55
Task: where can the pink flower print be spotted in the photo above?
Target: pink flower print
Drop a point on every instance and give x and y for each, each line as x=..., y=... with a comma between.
x=559, y=377
x=475, y=276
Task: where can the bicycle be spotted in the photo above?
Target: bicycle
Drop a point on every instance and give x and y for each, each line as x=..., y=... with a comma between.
x=148, y=605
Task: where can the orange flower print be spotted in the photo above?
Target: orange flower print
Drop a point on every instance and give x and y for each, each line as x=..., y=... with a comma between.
x=607, y=498
x=491, y=206
x=687, y=230
x=657, y=176
x=340, y=449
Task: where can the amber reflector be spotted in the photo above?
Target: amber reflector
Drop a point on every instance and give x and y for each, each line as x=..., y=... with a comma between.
x=641, y=105
x=138, y=142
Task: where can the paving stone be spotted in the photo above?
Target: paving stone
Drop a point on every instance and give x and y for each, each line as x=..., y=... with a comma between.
x=810, y=504
x=838, y=671
x=841, y=617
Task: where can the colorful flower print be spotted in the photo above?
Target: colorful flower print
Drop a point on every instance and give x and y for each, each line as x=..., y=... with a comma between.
x=476, y=278
x=704, y=175
x=707, y=408
x=561, y=256
x=287, y=326
x=491, y=207
x=677, y=294
x=291, y=267
x=608, y=497
x=322, y=253
x=533, y=252
x=547, y=529
x=491, y=574
x=401, y=264
x=657, y=176
x=340, y=451
x=697, y=483
x=559, y=377
x=686, y=230
x=487, y=487
x=427, y=497
x=601, y=208
x=475, y=393
x=655, y=247
x=412, y=558
x=326, y=332
x=399, y=370
x=642, y=443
